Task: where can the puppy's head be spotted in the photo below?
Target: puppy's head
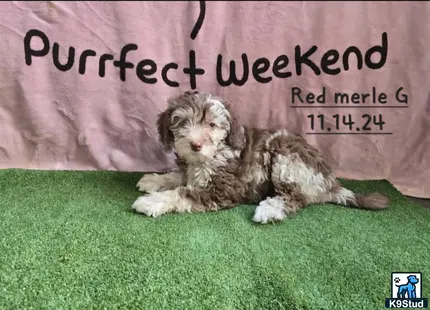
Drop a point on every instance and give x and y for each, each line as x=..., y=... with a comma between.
x=196, y=125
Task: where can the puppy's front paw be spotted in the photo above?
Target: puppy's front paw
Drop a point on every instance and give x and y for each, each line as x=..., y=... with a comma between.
x=269, y=210
x=150, y=183
x=151, y=205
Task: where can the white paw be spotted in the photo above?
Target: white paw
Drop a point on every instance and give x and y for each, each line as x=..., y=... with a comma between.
x=151, y=205
x=269, y=210
x=150, y=183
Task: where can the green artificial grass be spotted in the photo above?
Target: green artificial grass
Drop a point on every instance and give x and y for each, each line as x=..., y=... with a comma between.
x=69, y=240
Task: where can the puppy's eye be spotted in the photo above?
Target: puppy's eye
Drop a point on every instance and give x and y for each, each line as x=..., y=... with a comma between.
x=182, y=122
x=175, y=119
x=212, y=125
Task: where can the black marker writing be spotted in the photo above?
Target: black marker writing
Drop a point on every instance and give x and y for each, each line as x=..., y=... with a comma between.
x=145, y=70
x=262, y=69
x=200, y=20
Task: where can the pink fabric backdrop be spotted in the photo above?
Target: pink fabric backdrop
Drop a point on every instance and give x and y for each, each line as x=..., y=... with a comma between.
x=50, y=119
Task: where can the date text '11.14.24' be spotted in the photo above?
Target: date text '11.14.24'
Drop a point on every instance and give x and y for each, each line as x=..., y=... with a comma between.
x=346, y=124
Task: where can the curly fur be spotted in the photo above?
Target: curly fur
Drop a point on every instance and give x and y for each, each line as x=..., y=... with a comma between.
x=276, y=169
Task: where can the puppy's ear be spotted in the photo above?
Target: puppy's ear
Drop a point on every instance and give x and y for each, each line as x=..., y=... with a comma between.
x=163, y=128
x=236, y=136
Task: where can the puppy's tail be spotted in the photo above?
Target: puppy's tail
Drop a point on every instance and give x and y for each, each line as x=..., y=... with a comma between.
x=343, y=196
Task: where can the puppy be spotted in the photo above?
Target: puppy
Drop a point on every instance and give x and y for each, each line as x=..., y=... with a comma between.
x=222, y=164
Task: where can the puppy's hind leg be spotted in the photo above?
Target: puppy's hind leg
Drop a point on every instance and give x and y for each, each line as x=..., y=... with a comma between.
x=287, y=200
x=298, y=176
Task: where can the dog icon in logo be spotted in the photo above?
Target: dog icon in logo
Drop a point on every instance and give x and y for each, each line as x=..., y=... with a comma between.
x=408, y=289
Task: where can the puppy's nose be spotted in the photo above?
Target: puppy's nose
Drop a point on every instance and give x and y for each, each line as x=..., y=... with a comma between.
x=196, y=146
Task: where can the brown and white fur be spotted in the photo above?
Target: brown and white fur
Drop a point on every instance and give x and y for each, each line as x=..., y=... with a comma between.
x=223, y=164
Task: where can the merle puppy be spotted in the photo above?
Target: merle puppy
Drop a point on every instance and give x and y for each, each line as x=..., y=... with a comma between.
x=222, y=164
